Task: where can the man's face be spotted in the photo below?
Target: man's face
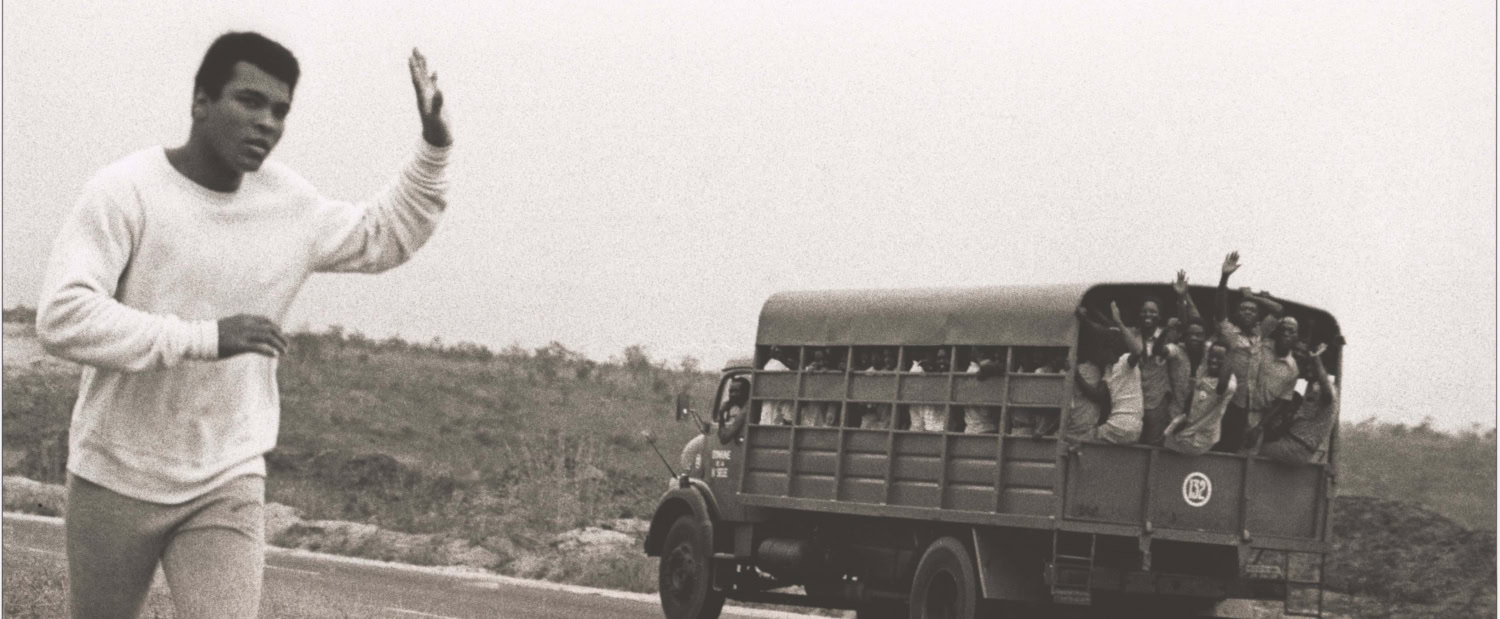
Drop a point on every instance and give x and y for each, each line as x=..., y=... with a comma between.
x=1150, y=313
x=1286, y=337
x=246, y=121
x=737, y=392
x=1249, y=313
x=1195, y=336
x=1215, y=360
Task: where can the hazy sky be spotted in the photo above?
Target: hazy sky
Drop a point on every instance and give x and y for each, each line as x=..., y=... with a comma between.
x=634, y=172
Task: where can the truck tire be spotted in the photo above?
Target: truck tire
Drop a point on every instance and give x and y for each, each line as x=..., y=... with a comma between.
x=684, y=576
x=946, y=585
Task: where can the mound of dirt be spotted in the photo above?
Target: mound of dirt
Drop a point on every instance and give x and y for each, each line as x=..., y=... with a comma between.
x=360, y=539
x=1404, y=553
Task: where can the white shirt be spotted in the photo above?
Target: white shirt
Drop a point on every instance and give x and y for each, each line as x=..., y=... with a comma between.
x=1124, y=382
x=147, y=263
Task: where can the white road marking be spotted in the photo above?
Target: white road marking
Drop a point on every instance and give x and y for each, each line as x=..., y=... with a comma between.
x=36, y=550
x=416, y=612
x=33, y=518
x=293, y=569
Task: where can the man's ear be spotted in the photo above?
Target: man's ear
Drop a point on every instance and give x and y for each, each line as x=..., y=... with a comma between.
x=200, y=104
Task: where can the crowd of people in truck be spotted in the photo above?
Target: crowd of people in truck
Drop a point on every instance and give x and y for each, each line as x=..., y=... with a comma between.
x=1238, y=382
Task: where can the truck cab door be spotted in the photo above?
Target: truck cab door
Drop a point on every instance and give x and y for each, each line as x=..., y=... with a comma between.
x=723, y=460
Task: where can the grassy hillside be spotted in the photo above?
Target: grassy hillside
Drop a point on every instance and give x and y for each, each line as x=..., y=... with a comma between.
x=466, y=431
x=1452, y=474
x=503, y=449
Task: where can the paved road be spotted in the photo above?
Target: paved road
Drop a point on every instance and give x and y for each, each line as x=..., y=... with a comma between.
x=364, y=588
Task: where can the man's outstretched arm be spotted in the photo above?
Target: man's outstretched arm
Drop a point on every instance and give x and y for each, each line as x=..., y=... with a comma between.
x=385, y=232
x=1093, y=322
x=1134, y=344
x=1221, y=295
x=1186, y=309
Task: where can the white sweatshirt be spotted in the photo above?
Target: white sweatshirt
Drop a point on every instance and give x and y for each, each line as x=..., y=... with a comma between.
x=144, y=267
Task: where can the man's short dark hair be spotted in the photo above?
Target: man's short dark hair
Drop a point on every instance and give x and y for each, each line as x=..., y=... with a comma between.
x=252, y=47
x=1151, y=299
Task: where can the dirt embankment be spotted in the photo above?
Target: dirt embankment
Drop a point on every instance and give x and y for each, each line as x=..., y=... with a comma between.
x=1402, y=560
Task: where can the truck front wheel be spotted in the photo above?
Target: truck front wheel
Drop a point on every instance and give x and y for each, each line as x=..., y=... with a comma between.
x=683, y=577
x=946, y=585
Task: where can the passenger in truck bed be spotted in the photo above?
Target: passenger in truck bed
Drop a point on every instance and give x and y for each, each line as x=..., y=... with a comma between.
x=777, y=412
x=1090, y=395
x=1190, y=330
x=1165, y=373
x=1122, y=376
x=927, y=417
x=874, y=416
x=1274, y=372
x=1244, y=332
x=818, y=413
x=1297, y=435
x=981, y=419
x=1197, y=430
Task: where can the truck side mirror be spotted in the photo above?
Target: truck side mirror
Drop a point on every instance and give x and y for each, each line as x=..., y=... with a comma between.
x=684, y=406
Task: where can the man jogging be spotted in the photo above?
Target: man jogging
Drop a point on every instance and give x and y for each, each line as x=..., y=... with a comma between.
x=168, y=282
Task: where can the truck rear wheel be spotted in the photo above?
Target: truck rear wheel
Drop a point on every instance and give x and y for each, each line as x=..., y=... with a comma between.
x=946, y=585
x=684, y=576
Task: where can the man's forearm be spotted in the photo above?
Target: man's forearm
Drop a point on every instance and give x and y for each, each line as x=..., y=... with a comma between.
x=1187, y=310
x=385, y=232
x=1221, y=298
x=730, y=429
x=1272, y=307
x=91, y=328
x=1324, y=379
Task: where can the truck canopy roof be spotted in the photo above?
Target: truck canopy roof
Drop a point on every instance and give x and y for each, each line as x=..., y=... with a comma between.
x=1030, y=315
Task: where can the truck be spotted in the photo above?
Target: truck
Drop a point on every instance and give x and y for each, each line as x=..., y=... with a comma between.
x=827, y=497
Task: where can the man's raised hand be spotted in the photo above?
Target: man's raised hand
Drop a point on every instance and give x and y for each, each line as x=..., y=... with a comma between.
x=1231, y=262
x=429, y=101
x=1316, y=355
x=1180, y=286
x=244, y=333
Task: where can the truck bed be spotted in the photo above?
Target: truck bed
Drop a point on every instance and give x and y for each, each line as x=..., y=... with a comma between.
x=1022, y=481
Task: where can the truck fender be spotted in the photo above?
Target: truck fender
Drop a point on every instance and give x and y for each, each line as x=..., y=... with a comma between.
x=693, y=499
